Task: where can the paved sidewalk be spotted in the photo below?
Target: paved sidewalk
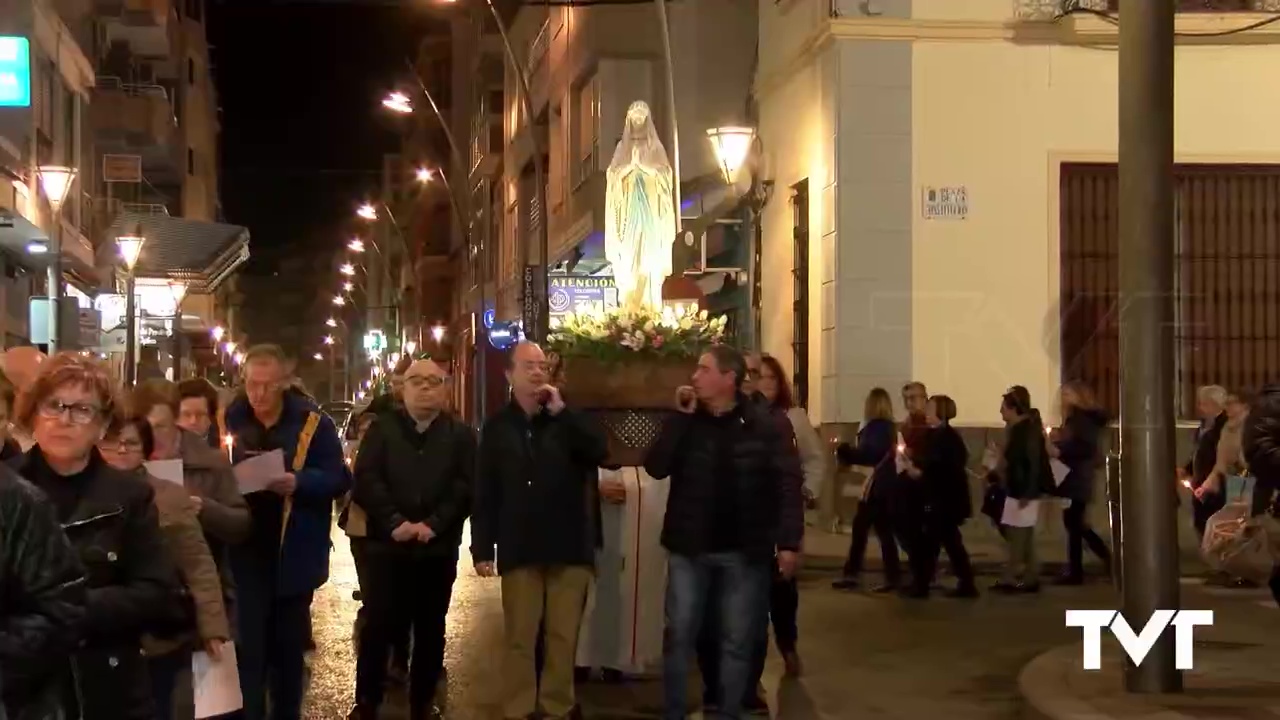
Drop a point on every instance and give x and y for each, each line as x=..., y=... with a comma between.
x=1237, y=673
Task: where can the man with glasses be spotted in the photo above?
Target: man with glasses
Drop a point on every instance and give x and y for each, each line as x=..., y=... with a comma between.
x=286, y=557
x=413, y=479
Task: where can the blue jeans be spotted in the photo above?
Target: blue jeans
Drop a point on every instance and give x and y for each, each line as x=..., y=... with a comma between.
x=731, y=588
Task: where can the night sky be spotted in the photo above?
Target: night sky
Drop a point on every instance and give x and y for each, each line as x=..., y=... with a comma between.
x=303, y=134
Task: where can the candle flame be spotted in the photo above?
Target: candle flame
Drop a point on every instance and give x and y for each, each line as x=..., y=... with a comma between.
x=902, y=447
x=1186, y=484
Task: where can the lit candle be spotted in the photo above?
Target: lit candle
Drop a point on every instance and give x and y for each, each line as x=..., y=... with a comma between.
x=902, y=448
x=230, y=442
x=1186, y=484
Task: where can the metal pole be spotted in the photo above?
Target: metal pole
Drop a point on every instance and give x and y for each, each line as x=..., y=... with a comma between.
x=539, y=178
x=55, y=282
x=1150, y=546
x=130, y=333
x=670, y=65
x=333, y=374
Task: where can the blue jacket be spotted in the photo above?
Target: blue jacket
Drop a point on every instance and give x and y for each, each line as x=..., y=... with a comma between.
x=300, y=562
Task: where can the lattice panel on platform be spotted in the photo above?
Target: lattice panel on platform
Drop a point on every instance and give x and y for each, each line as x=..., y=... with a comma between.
x=631, y=433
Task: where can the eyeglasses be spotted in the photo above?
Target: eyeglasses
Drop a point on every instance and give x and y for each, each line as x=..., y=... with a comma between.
x=79, y=413
x=121, y=446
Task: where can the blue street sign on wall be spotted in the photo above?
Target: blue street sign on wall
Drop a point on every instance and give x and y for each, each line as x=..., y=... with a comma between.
x=15, y=71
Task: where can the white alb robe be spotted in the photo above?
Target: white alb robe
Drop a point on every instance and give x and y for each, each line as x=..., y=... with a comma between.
x=623, y=623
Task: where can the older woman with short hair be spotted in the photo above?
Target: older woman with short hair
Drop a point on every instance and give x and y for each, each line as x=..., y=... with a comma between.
x=111, y=520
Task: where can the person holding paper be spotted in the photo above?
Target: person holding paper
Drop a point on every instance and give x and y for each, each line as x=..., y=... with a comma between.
x=111, y=520
x=206, y=474
x=125, y=446
x=1077, y=446
x=1025, y=474
x=413, y=479
x=286, y=556
x=39, y=633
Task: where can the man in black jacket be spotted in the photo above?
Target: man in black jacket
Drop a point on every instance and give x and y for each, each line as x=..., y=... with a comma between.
x=735, y=496
x=537, y=462
x=43, y=586
x=413, y=479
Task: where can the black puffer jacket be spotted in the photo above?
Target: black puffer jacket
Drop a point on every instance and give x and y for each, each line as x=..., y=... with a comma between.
x=1261, y=446
x=42, y=602
x=759, y=450
x=133, y=585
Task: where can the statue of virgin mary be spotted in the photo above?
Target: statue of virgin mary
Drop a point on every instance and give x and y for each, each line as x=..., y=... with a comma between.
x=640, y=220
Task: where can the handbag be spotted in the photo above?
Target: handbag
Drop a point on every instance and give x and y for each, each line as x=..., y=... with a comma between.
x=993, y=500
x=1239, y=545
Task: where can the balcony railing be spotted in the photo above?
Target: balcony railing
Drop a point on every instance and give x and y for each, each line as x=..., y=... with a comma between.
x=144, y=209
x=141, y=114
x=538, y=49
x=1050, y=9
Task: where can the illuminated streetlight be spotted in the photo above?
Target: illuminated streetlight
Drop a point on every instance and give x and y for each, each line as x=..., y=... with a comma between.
x=55, y=181
x=328, y=339
x=409, y=347
x=130, y=247
x=229, y=348
x=347, y=287
x=398, y=102
x=331, y=322
x=424, y=175
x=731, y=145
x=318, y=356
x=238, y=358
x=437, y=333
x=356, y=245
x=339, y=300
x=360, y=395
x=179, y=291
x=216, y=333
x=368, y=212
x=347, y=269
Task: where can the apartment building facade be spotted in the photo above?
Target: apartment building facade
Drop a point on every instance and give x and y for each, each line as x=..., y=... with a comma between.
x=584, y=67
x=47, y=79
x=156, y=129
x=951, y=197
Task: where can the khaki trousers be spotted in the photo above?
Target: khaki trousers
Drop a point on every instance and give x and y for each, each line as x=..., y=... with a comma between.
x=553, y=597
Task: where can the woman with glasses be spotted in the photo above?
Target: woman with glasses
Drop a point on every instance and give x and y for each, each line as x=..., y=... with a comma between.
x=110, y=518
x=125, y=447
x=206, y=474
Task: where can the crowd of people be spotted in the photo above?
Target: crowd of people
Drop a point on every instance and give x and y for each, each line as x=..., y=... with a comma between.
x=114, y=577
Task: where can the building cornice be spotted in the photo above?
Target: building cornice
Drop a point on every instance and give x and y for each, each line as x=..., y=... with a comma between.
x=1077, y=30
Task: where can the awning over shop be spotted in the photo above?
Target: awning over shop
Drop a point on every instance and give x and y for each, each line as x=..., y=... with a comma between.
x=201, y=253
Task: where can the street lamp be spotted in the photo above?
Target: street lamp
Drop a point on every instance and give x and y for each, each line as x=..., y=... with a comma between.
x=328, y=339
x=367, y=211
x=130, y=247
x=347, y=269
x=398, y=102
x=732, y=145
x=437, y=333
x=738, y=149
x=55, y=181
x=409, y=347
x=331, y=323
x=216, y=333
x=339, y=300
x=318, y=356
x=347, y=287
x=423, y=175
x=356, y=245
x=178, y=289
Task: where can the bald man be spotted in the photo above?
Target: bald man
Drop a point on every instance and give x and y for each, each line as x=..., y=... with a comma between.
x=538, y=460
x=413, y=478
